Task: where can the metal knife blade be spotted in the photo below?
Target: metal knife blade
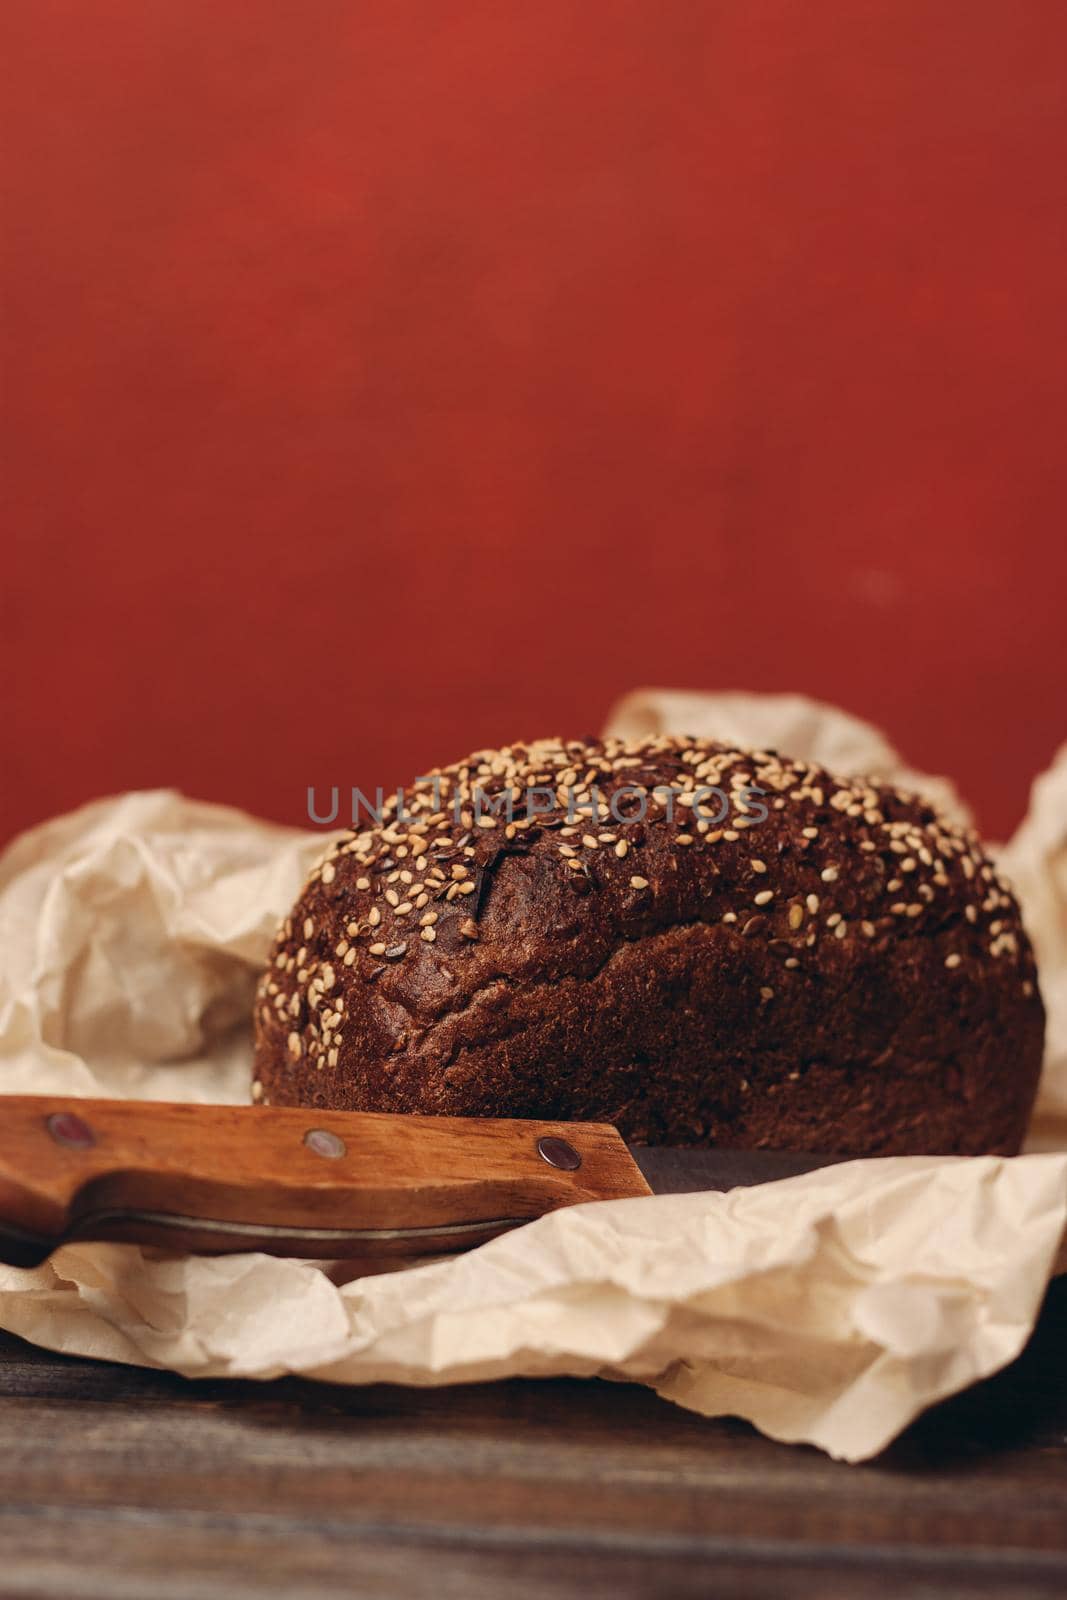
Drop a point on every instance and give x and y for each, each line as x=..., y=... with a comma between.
x=671, y=1170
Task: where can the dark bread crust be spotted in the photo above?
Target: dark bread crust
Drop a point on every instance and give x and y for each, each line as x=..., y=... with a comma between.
x=847, y=973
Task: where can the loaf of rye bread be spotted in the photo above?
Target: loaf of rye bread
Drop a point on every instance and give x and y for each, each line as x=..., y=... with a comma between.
x=701, y=944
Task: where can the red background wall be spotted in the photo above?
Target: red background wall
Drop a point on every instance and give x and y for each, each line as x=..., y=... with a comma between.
x=386, y=379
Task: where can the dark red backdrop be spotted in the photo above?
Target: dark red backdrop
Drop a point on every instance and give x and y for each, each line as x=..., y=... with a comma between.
x=385, y=379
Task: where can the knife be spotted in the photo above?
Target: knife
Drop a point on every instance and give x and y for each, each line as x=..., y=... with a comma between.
x=217, y=1179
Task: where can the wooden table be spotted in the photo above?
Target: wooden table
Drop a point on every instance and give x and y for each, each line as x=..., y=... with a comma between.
x=116, y=1482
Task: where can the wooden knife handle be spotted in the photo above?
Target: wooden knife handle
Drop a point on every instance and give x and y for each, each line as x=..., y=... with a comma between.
x=215, y=1179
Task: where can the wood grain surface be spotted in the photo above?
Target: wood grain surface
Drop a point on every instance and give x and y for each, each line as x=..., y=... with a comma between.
x=119, y=1482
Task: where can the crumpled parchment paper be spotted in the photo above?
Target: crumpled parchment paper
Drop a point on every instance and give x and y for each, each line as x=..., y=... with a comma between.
x=830, y=1308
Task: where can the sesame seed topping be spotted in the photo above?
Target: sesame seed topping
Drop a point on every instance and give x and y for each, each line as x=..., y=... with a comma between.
x=426, y=850
x=953, y=960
